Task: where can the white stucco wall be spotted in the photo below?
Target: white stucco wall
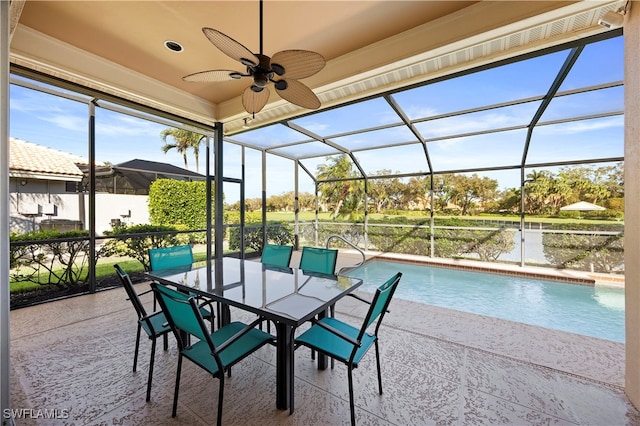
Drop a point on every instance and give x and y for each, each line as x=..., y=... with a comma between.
x=32, y=203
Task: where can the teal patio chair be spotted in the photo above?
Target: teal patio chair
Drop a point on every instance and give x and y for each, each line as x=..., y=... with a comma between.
x=276, y=255
x=154, y=324
x=214, y=352
x=320, y=260
x=348, y=344
x=170, y=257
x=174, y=257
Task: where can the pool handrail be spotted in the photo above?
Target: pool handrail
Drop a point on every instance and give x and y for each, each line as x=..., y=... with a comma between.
x=345, y=269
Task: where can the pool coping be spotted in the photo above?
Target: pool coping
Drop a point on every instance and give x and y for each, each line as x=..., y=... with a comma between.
x=561, y=275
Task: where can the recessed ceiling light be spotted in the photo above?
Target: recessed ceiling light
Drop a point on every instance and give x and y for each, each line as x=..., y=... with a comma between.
x=174, y=46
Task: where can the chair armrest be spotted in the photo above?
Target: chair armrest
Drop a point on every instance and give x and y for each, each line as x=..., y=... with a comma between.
x=238, y=335
x=359, y=298
x=205, y=301
x=362, y=300
x=148, y=316
x=154, y=297
x=337, y=332
x=145, y=292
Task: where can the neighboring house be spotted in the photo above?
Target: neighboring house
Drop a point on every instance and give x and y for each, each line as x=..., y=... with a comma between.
x=43, y=186
x=48, y=189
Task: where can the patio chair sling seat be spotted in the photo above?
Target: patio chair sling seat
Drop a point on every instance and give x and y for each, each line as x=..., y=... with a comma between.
x=334, y=346
x=276, y=255
x=154, y=324
x=349, y=344
x=200, y=353
x=215, y=352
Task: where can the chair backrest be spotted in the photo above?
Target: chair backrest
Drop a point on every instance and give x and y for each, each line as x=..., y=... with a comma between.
x=321, y=260
x=380, y=303
x=182, y=312
x=131, y=292
x=276, y=255
x=170, y=257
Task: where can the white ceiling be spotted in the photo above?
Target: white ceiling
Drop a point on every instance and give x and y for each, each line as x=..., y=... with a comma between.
x=117, y=47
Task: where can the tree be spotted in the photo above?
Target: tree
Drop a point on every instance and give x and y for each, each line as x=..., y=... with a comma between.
x=592, y=184
x=469, y=190
x=344, y=194
x=416, y=193
x=184, y=140
x=386, y=193
x=542, y=193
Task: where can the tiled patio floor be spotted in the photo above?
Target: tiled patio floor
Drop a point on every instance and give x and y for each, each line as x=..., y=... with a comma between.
x=440, y=367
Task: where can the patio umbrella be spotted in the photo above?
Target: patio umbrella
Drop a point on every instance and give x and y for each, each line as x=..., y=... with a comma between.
x=582, y=206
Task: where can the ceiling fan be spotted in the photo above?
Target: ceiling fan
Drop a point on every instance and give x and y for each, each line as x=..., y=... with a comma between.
x=283, y=70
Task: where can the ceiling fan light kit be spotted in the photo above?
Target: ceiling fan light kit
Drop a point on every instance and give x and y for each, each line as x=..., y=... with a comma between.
x=284, y=70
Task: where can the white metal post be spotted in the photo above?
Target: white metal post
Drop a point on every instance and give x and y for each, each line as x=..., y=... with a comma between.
x=5, y=375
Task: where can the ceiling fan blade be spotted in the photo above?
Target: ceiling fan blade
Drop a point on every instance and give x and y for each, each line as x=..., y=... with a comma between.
x=211, y=76
x=298, y=63
x=230, y=47
x=299, y=94
x=254, y=101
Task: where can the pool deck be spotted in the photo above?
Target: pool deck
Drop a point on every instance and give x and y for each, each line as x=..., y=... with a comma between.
x=439, y=367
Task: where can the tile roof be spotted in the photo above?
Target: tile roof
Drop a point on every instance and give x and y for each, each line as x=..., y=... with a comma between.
x=29, y=158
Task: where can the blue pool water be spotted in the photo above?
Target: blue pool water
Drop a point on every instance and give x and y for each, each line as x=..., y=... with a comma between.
x=590, y=311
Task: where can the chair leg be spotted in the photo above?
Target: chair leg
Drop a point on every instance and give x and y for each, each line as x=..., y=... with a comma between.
x=332, y=310
x=378, y=365
x=177, y=388
x=220, y=400
x=150, y=378
x=165, y=343
x=351, y=403
x=135, y=354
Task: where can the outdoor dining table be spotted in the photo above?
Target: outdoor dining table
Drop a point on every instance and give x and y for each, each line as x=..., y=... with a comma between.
x=287, y=296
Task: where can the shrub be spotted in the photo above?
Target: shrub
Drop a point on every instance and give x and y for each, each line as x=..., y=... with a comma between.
x=50, y=257
x=137, y=246
x=277, y=233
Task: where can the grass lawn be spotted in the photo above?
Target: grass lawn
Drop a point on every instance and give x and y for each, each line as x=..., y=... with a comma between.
x=308, y=216
x=104, y=268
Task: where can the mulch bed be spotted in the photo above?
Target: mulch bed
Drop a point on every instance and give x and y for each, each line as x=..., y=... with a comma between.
x=50, y=293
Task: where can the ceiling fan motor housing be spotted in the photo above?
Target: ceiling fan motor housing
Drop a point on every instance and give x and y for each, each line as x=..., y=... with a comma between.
x=262, y=73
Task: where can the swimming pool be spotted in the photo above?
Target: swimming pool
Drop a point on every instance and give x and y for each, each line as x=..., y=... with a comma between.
x=587, y=310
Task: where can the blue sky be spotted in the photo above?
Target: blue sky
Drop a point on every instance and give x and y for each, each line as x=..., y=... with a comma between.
x=62, y=124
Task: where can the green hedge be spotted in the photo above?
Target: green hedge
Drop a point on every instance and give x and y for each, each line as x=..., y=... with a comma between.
x=598, y=253
x=175, y=202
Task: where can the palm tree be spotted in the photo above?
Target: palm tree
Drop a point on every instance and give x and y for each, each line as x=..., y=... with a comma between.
x=184, y=140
